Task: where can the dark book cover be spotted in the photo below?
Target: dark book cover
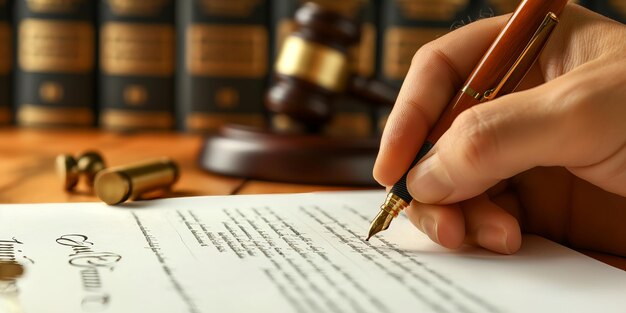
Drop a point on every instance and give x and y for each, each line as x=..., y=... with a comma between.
x=352, y=117
x=136, y=78
x=223, y=61
x=55, y=53
x=406, y=25
x=6, y=61
x=615, y=9
x=499, y=7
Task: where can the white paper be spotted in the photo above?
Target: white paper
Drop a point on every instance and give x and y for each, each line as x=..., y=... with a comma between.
x=277, y=253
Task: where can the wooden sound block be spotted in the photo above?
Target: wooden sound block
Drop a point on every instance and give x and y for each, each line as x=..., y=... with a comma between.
x=309, y=159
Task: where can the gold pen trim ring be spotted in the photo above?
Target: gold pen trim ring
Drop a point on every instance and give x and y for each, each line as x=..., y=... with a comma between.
x=471, y=92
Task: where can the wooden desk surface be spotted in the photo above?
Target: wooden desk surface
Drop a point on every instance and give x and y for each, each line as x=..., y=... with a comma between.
x=28, y=168
x=28, y=172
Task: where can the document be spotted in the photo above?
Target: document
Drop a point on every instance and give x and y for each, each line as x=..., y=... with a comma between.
x=277, y=253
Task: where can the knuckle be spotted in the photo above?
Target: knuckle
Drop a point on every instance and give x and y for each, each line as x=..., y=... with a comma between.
x=424, y=54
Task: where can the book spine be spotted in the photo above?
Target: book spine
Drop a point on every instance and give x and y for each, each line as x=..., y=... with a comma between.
x=54, y=75
x=223, y=63
x=615, y=9
x=6, y=62
x=351, y=116
x=404, y=27
x=136, y=78
x=499, y=7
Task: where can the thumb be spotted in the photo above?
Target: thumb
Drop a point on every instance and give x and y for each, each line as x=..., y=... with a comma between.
x=501, y=138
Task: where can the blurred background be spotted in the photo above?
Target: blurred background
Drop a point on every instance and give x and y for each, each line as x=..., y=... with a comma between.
x=194, y=65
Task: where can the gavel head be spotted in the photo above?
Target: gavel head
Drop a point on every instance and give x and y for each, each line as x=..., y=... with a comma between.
x=312, y=67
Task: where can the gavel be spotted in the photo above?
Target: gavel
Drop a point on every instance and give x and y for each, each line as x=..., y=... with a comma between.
x=311, y=72
x=313, y=68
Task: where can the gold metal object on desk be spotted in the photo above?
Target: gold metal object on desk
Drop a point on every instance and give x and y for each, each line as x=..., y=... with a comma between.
x=10, y=271
x=118, y=184
x=89, y=164
x=70, y=169
x=67, y=170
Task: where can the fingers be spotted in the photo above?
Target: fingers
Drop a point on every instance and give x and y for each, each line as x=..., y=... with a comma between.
x=443, y=224
x=490, y=226
x=478, y=221
x=556, y=124
x=437, y=71
x=484, y=145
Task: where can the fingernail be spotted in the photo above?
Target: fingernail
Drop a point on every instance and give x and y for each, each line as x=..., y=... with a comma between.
x=429, y=227
x=493, y=238
x=428, y=181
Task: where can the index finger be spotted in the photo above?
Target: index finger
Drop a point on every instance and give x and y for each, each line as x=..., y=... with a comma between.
x=437, y=71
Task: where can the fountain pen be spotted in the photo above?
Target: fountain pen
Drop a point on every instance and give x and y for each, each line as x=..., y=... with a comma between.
x=500, y=70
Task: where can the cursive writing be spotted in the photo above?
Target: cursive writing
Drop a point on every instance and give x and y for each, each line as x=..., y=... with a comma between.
x=90, y=262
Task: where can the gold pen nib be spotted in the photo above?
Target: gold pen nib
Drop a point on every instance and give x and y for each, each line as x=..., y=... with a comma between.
x=380, y=223
x=388, y=211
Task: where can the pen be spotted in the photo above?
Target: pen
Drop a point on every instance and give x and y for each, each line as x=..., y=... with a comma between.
x=500, y=70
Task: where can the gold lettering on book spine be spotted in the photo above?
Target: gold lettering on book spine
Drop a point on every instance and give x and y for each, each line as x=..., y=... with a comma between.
x=137, y=7
x=34, y=115
x=137, y=49
x=51, y=92
x=433, y=10
x=54, y=6
x=135, y=95
x=52, y=46
x=401, y=43
x=346, y=7
x=227, y=51
x=127, y=119
x=5, y=49
x=227, y=98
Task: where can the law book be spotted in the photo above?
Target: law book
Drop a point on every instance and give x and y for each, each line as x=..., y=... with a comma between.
x=615, y=9
x=352, y=117
x=6, y=61
x=406, y=25
x=223, y=61
x=55, y=69
x=136, y=77
x=499, y=7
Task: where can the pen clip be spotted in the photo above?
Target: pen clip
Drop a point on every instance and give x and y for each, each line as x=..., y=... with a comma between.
x=523, y=63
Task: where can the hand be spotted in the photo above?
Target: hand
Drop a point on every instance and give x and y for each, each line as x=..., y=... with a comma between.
x=549, y=159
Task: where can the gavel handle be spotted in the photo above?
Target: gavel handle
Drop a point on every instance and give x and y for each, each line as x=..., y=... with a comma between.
x=372, y=91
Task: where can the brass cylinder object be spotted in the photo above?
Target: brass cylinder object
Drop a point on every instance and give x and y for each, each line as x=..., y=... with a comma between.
x=70, y=169
x=67, y=170
x=89, y=164
x=118, y=184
